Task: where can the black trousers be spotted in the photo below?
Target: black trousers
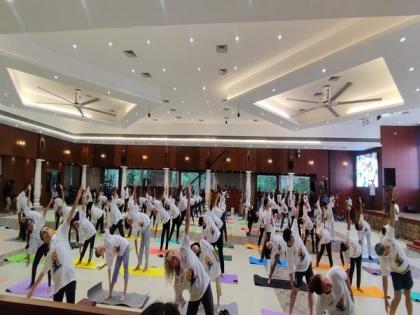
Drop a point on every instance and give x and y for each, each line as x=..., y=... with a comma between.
x=69, y=290
x=183, y=215
x=321, y=252
x=262, y=230
x=165, y=232
x=372, y=202
x=358, y=263
x=41, y=251
x=100, y=224
x=223, y=218
x=285, y=215
x=175, y=223
x=311, y=232
x=88, y=210
x=88, y=242
x=118, y=226
x=206, y=299
x=219, y=246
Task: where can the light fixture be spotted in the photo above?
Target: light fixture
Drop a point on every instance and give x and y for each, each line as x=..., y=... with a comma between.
x=110, y=44
x=279, y=37
x=74, y=46
x=235, y=68
x=66, y=152
x=144, y=157
x=133, y=70
x=164, y=69
x=103, y=155
x=418, y=90
x=108, y=92
x=324, y=70
x=13, y=105
x=21, y=143
x=187, y=158
x=174, y=88
x=345, y=163
x=5, y=94
x=228, y=159
x=402, y=39
x=191, y=40
x=182, y=102
x=207, y=101
x=311, y=162
x=237, y=38
x=411, y=69
x=273, y=90
x=198, y=69
x=56, y=77
x=270, y=161
x=148, y=42
x=204, y=88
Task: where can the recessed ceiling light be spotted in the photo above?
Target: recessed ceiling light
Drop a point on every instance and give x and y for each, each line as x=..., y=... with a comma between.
x=108, y=92
x=56, y=77
x=418, y=90
x=110, y=44
x=402, y=39
x=279, y=37
x=198, y=68
x=191, y=40
x=148, y=42
x=16, y=125
x=182, y=102
x=133, y=70
x=164, y=69
x=235, y=68
x=168, y=111
x=207, y=101
x=74, y=46
x=204, y=88
x=273, y=90
x=237, y=38
x=174, y=88
x=324, y=70
x=411, y=69
x=5, y=94
x=13, y=105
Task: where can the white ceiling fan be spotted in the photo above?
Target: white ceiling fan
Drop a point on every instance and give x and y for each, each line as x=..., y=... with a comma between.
x=329, y=102
x=77, y=103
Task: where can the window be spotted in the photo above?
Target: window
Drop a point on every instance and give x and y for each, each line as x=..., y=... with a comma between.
x=111, y=177
x=133, y=177
x=203, y=180
x=266, y=183
x=187, y=177
x=173, y=178
x=300, y=183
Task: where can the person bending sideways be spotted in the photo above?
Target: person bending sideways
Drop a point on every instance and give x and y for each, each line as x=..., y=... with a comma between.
x=325, y=240
x=185, y=267
x=334, y=293
x=273, y=249
x=299, y=264
x=114, y=245
x=60, y=259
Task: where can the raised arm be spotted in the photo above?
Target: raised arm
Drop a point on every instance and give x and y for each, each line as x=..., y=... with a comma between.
x=187, y=214
x=75, y=203
x=47, y=207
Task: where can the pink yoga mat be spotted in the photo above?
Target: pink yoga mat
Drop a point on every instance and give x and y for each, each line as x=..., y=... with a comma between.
x=270, y=312
x=229, y=278
x=41, y=291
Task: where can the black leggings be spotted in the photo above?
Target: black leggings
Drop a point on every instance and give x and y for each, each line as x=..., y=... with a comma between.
x=285, y=215
x=69, y=290
x=118, y=226
x=358, y=263
x=219, y=245
x=223, y=218
x=165, y=230
x=206, y=300
x=41, y=251
x=100, y=224
x=183, y=215
x=175, y=223
x=321, y=252
x=262, y=230
x=88, y=242
x=311, y=232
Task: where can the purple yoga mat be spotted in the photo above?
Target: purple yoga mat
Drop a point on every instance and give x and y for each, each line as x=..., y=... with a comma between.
x=41, y=291
x=228, y=278
x=415, y=272
x=270, y=312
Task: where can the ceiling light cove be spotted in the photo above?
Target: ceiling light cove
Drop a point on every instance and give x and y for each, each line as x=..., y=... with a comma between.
x=272, y=109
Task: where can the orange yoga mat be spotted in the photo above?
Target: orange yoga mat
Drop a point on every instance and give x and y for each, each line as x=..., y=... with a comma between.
x=371, y=291
x=324, y=266
x=252, y=246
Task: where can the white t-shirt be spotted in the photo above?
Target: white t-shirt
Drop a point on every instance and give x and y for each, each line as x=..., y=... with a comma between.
x=141, y=222
x=331, y=302
x=173, y=209
x=142, y=201
x=325, y=236
x=396, y=260
x=200, y=279
x=114, y=213
x=210, y=233
x=96, y=213
x=34, y=239
x=209, y=260
x=21, y=202
x=298, y=258
x=279, y=246
x=183, y=202
x=162, y=213
x=307, y=223
x=267, y=221
x=86, y=228
x=60, y=258
x=365, y=226
x=216, y=211
x=216, y=220
x=115, y=245
x=354, y=250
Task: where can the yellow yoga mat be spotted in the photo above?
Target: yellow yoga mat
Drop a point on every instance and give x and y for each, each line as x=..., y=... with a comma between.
x=151, y=272
x=323, y=266
x=92, y=265
x=371, y=291
x=252, y=246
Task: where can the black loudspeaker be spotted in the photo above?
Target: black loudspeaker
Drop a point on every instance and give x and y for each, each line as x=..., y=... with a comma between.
x=389, y=177
x=123, y=156
x=291, y=165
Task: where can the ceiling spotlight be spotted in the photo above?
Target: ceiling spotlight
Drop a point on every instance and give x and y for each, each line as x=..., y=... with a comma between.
x=108, y=92
x=198, y=68
x=324, y=70
x=273, y=90
x=411, y=69
x=191, y=40
x=174, y=88
x=164, y=69
x=204, y=88
x=144, y=157
x=237, y=38
x=5, y=94
x=182, y=102
x=279, y=37
x=207, y=101
x=270, y=161
x=56, y=77
x=311, y=162
x=74, y=46
x=235, y=68
x=402, y=39
x=133, y=70
x=187, y=158
x=418, y=90
x=148, y=42
x=103, y=155
x=110, y=44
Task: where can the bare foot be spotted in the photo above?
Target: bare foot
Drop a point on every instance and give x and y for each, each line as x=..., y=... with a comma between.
x=144, y=269
x=359, y=289
x=218, y=309
x=122, y=298
x=78, y=263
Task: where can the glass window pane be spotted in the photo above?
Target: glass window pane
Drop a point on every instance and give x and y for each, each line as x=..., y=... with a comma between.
x=300, y=183
x=111, y=177
x=173, y=178
x=187, y=177
x=202, y=180
x=266, y=183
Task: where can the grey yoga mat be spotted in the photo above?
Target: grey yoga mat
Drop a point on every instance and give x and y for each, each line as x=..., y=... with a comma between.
x=275, y=283
x=232, y=308
x=99, y=295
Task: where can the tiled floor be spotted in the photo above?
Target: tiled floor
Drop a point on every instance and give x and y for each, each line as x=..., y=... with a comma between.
x=250, y=299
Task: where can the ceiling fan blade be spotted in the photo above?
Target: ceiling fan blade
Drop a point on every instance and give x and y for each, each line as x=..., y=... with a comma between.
x=80, y=111
x=303, y=101
x=56, y=95
x=340, y=91
x=306, y=111
x=99, y=111
x=48, y=103
x=96, y=99
x=359, y=101
x=332, y=111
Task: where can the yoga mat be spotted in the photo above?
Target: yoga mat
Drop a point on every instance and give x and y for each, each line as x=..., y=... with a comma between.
x=372, y=270
x=371, y=291
x=232, y=308
x=227, y=257
x=98, y=294
x=157, y=251
x=170, y=242
x=19, y=258
x=256, y=261
x=270, y=312
x=229, y=278
x=227, y=245
x=321, y=266
x=415, y=296
x=42, y=291
x=252, y=246
x=151, y=271
x=93, y=265
x=86, y=302
x=275, y=283
x=245, y=228
x=372, y=261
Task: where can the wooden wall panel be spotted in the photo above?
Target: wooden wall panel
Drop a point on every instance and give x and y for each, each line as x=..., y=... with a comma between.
x=156, y=157
x=341, y=176
x=21, y=170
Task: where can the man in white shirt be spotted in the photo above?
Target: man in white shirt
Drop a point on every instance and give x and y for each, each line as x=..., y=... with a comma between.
x=60, y=259
x=334, y=293
x=22, y=202
x=325, y=242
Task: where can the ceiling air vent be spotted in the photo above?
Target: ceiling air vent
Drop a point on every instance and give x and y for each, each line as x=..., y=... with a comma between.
x=172, y=109
x=165, y=101
x=318, y=94
x=146, y=75
x=255, y=120
x=178, y=117
x=226, y=109
x=226, y=118
x=224, y=100
x=130, y=53
x=334, y=78
x=201, y=120
x=222, y=48
x=223, y=71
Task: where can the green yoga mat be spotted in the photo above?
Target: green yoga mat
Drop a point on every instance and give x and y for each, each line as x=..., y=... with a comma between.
x=227, y=257
x=19, y=258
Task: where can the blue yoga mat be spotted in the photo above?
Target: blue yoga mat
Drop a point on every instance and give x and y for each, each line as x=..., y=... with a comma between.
x=367, y=260
x=415, y=296
x=256, y=261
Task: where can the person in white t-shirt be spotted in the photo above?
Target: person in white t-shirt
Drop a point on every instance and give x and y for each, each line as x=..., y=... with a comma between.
x=185, y=267
x=364, y=230
x=60, y=259
x=114, y=245
x=175, y=215
x=393, y=258
x=298, y=263
x=325, y=240
x=163, y=216
x=334, y=293
x=274, y=249
x=22, y=202
x=115, y=217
